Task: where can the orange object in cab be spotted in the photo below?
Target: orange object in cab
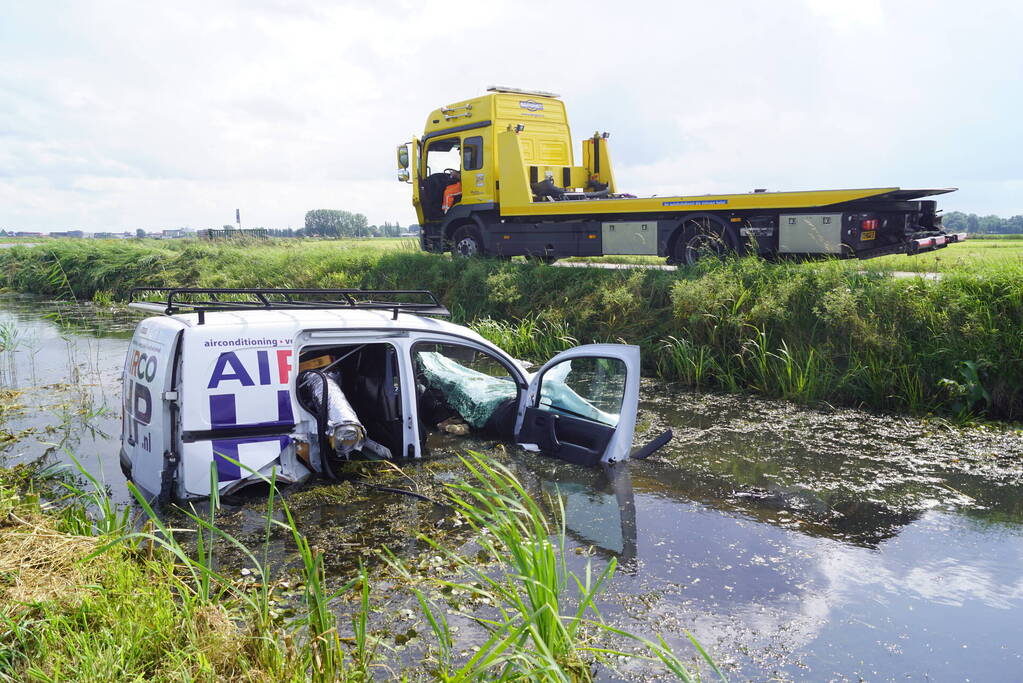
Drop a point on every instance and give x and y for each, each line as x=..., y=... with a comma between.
x=452, y=193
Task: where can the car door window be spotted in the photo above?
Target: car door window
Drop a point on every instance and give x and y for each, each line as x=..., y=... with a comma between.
x=472, y=153
x=455, y=381
x=589, y=388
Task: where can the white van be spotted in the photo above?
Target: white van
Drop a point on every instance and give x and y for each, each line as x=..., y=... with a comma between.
x=297, y=380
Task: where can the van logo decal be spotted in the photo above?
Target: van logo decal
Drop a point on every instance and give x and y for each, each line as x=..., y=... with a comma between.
x=230, y=368
x=531, y=105
x=224, y=412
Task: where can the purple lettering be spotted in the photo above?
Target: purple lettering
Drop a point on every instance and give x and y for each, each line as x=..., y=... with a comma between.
x=238, y=371
x=264, y=367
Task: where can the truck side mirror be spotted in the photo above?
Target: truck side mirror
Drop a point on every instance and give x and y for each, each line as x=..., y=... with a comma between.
x=402, y=156
x=403, y=175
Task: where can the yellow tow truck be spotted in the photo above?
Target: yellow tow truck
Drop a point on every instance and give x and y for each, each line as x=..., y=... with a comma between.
x=495, y=175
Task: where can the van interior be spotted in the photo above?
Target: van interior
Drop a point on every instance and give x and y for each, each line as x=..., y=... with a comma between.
x=454, y=385
x=369, y=376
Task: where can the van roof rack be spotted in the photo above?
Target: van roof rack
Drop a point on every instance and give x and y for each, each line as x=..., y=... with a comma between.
x=201, y=300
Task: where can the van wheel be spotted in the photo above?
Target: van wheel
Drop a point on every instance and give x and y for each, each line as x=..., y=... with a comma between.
x=701, y=238
x=467, y=242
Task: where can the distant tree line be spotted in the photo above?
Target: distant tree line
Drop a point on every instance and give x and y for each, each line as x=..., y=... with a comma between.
x=318, y=223
x=984, y=225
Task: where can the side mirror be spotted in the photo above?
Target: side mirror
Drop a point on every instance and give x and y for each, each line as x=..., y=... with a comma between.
x=402, y=156
x=403, y=175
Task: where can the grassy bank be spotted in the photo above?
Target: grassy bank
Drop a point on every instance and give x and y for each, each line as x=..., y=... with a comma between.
x=809, y=332
x=91, y=594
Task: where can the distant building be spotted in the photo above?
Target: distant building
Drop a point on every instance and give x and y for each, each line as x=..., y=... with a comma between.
x=76, y=234
x=234, y=233
x=23, y=233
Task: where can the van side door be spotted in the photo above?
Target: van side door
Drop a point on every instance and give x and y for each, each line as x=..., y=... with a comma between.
x=581, y=405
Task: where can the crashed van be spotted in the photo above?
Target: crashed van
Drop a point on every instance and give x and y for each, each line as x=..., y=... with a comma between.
x=226, y=386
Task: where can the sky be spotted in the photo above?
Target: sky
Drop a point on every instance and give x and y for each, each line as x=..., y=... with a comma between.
x=124, y=115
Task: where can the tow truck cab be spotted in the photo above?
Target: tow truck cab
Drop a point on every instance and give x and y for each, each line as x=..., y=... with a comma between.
x=249, y=382
x=523, y=193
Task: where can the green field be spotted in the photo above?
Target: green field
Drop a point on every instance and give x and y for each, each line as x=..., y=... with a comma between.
x=983, y=252
x=974, y=253
x=977, y=251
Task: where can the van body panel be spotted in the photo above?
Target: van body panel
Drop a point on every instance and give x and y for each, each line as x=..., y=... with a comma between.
x=238, y=377
x=237, y=459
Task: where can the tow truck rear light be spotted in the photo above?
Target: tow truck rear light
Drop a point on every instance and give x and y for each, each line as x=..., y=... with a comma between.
x=870, y=224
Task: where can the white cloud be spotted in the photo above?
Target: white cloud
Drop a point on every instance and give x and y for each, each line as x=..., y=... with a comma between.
x=115, y=115
x=848, y=15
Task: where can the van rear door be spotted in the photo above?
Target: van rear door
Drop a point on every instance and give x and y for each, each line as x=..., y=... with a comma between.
x=147, y=418
x=581, y=406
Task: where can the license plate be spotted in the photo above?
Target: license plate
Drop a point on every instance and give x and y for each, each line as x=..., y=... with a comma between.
x=868, y=235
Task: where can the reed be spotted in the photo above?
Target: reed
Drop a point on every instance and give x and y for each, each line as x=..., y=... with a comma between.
x=845, y=333
x=521, y=571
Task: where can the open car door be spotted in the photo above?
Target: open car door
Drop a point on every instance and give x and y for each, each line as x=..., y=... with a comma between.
x=581, y=405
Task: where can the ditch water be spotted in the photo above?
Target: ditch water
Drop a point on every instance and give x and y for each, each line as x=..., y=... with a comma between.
x=794, y=543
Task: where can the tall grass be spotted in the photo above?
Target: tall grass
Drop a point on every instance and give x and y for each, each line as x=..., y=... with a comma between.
x=809, y=332
x=521, y=570
x=535, y=338
x=117, y=598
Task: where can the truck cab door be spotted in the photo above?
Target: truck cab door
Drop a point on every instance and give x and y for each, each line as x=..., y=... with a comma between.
x=416, y=177
x=581, y=405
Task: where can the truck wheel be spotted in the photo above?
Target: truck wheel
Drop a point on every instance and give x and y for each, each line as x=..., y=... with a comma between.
x=700, y=238
x=467, y=242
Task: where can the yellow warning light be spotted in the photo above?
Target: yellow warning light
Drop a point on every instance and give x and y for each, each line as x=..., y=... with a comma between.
x=507, y=237
x=592, y=236
x=736, y=219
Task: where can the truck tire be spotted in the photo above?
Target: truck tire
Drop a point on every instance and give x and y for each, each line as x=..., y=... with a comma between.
x=701, y=237
x=466, y=242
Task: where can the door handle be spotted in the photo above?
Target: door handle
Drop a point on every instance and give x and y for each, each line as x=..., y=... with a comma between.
x=552, y=431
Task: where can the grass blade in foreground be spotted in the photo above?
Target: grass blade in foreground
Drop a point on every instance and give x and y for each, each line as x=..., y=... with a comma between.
x=533, y=637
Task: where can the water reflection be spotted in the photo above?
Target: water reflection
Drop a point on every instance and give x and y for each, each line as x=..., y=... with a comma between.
x=599, y=507
x=60, y=369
